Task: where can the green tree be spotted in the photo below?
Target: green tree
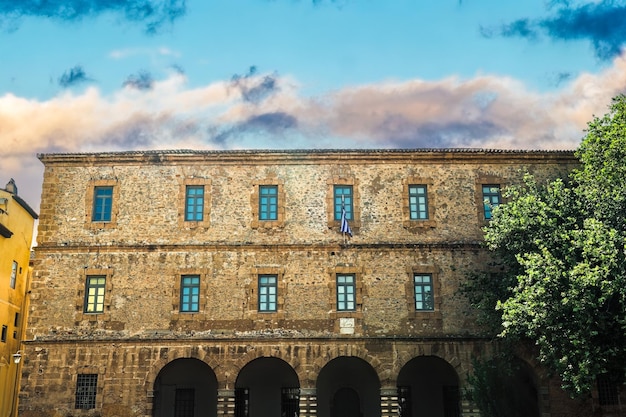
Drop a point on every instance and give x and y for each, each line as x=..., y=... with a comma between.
x=562, y=245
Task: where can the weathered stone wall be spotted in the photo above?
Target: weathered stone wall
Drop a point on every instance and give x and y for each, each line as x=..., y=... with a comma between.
x=147, y=246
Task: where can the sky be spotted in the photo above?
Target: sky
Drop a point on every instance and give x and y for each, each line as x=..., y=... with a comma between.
x=116, y=75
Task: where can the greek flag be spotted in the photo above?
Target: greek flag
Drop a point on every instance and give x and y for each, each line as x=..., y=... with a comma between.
x=345, y=227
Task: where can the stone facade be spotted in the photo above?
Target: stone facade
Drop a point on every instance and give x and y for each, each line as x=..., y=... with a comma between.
x=140, y=353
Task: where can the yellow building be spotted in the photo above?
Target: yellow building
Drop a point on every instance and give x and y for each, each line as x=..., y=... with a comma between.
x=17, y=221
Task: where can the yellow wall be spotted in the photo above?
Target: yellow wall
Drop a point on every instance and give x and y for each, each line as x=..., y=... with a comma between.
x=18, y=218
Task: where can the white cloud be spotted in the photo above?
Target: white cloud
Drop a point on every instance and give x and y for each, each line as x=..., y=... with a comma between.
x=485, y=111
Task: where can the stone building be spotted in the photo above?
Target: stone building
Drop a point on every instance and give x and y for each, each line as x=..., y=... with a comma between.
x=218, y=283
x=17, y=220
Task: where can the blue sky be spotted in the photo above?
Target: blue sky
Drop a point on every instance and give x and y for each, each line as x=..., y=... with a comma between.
x=106, y=75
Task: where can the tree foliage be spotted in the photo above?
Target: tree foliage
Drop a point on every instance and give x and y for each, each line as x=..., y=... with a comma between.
x=563, y=247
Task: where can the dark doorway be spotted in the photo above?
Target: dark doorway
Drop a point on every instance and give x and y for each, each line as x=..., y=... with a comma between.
x=185, y=388
x=428, y=386
x=267, y=387
x=346, y=403
x=348, y=387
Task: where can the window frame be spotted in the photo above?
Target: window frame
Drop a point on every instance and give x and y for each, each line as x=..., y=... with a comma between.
x=86, y=391
x=268, y=203
x=487, y=198
x=485, y=180
x=90, y=204
x=252, y=293
x=263, y=306
x=423, y=293
x=206, y=185
x=431, y=317
x=177, y=313
x=81, y=294
x=418, y=224
x=13, y=280
x=341, y=290
x=255, y=203
x=4, y=333
x=98, y=286
x=333, y=210
x=192, y=286
x=194, y=203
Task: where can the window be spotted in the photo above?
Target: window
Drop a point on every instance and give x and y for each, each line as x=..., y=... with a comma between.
x=608, y=393
x=491, y=198
x=194, y=203
x=13, y=275
x=343, y=199
x=3, y=336
x=16, y=321
x=423, y=285
x=268, y=202
x=102, y=204
x=190, y=294
x=86, y=385
x=268, y=290
x=418, y=202
x=346, y=292
x=184, y=403
x=94, y=293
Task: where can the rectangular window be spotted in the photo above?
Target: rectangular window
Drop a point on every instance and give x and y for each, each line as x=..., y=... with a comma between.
x=418, y=202
x=491, y=198
x=102, y=204
x=424, y=300
x=194, y=203
x=343, y=199
x=16, y=320
x=13, y=275
x=3, y=337
x=86, y=385
x=94, y=293
x=190, y=294
x=608, y=392
x=346, y=293
x=184, y=402
x=268, y=202
x=268, y=289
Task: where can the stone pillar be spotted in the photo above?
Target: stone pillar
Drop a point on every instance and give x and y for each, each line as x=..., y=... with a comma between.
x=389, y=402
x=308, y=402
x=225, y=402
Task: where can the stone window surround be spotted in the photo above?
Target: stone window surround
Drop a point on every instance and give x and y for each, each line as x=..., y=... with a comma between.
x=253, y=295
x=480, y=205
x=89, y=196
x=410, y=292
x=88, y=369
x=206, y=216
x=80, y=298
x=360, y=291
x=354, y=223
x=254, y=204
x=202, y=302
x=430, y=198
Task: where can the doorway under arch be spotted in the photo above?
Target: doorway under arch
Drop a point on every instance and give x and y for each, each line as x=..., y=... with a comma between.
x=267, y=386
x=185, y=387
x=348, y=386
x=428, y=386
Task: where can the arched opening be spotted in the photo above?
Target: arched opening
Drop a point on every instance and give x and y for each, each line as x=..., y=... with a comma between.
x=348, y=387
x=504, y=385
x=428, y=386
x=185, y=388
x=267, y=387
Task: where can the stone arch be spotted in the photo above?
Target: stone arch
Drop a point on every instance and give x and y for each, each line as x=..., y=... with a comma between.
x=348, y=386
x=457, y=355
x=185, y=383
x=428, y=385
x=336, y=351
x=267, y=351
